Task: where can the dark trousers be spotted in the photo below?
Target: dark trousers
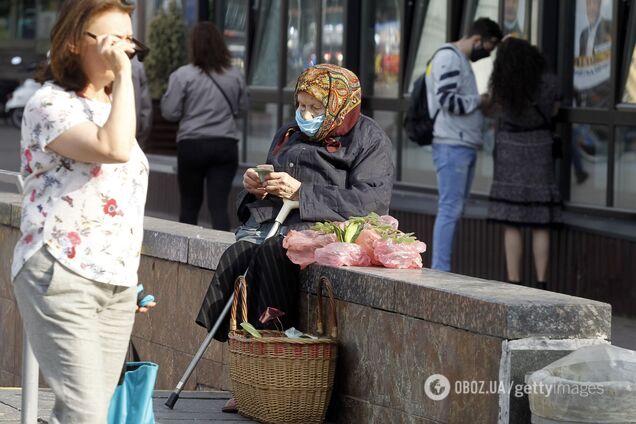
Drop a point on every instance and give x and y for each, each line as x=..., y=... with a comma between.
x=272, y=280
x=215, y=161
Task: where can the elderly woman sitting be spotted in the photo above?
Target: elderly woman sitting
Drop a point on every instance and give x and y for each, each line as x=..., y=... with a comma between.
x=336, y=162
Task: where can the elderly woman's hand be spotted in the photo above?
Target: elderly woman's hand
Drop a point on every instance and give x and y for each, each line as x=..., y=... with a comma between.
x=283, y=185
x=252, y=184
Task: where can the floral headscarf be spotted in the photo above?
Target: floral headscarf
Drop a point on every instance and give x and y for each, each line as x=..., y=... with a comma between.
x=339, y=91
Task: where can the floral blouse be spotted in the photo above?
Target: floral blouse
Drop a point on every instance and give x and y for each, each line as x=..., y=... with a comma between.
x=88, y=215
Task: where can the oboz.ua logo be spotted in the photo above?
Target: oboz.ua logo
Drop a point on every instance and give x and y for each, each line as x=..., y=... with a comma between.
x=437, y=387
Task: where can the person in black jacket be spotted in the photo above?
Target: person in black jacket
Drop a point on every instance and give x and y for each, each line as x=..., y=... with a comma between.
x=336, y=162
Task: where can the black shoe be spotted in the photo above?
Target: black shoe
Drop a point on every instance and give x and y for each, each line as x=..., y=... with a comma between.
x=581, y=177
x=514, y=282
x=541, y=285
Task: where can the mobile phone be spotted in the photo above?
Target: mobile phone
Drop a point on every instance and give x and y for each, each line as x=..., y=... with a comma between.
x=263, y=171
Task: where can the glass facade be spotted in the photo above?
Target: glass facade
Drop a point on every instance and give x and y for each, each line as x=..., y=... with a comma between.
x=302, y=37
x=333, y=32
x=388, y=44
x=589, y=149
x=5, y=20
x=625, y=168
x=235, y=31
x=429, y=33
x=514, y=19
x=267, y=50
x=261, y=126
x=27, y=19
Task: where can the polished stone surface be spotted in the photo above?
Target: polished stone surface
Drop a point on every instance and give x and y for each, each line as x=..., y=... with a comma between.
x=486, y=307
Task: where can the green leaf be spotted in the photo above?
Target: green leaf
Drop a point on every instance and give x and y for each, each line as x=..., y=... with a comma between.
x=350, y=232
x=250, y=329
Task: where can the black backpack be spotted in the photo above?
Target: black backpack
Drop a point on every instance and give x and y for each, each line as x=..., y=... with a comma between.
x=418, y=123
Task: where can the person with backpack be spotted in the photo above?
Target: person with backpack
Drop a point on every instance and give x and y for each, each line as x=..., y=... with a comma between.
x=455, y=105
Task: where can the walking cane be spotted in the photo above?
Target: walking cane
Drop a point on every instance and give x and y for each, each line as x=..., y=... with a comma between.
x=288, y=206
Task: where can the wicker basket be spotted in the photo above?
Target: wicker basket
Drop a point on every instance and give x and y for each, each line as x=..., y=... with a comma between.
x=279, y=380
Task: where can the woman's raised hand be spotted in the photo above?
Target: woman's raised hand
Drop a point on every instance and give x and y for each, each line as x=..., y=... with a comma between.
x=283, y=185
x=252, y=184
x=114, y=50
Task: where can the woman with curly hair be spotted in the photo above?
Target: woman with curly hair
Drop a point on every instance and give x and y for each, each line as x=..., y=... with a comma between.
x=524, y=190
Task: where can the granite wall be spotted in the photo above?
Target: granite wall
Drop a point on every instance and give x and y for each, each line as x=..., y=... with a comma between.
x=396, y=329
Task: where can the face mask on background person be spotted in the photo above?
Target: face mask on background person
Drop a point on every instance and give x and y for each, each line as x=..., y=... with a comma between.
x=309, y=126
x=478, y=53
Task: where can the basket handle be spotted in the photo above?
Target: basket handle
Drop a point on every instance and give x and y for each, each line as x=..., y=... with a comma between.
x=324, y=281
x=240, y=292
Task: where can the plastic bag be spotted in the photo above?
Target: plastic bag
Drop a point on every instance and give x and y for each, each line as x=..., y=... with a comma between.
x=594, y=384
x=389, y=220
x=301, y=245
x=399, y=255
x=342, y=254
x=366, y=240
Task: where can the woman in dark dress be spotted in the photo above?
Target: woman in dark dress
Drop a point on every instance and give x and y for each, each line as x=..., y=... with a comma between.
x=336, y=162
x=524, y=190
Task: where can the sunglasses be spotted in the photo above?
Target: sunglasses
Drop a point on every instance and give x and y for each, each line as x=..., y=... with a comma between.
x=140, y=49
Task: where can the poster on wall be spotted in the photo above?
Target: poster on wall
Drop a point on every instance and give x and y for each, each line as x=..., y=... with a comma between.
x=592, y=53
x=514, y=22
x=629, y=94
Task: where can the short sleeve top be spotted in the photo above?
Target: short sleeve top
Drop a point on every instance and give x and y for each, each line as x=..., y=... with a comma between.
x=88, y=215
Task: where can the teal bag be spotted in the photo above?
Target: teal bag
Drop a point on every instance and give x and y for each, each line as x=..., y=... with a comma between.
x=132, y=401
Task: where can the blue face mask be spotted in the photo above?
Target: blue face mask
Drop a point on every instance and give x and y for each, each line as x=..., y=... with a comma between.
x=309, y=126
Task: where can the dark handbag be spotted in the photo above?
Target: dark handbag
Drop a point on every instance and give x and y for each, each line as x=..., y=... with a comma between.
x=235, y=115
x=132, y=401
x=557, y=146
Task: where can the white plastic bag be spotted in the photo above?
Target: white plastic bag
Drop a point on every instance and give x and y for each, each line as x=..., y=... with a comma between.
x=594, y=384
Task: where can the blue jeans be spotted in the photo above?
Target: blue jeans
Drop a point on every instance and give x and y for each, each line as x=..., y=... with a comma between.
x=455, y=168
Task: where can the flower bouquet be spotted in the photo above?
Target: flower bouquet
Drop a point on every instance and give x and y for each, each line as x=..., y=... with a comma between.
x=370, y=240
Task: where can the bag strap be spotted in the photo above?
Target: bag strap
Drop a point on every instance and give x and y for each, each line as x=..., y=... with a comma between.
x=240, y=292
x=222, y=92
x=324, y=281
x=134, y=353
x=546, y=121
x=424, y=76
x=135, y=358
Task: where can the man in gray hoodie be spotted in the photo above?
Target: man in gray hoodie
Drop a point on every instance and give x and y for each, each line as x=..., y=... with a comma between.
x=455, y=103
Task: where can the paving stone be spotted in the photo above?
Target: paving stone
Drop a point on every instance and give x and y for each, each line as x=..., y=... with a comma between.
x=192, y=407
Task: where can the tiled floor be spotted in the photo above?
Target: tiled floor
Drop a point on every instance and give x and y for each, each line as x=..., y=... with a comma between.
x=199, y=407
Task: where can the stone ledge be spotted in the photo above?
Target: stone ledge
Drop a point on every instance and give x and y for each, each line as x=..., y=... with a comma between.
x=10, y=209
x=184, y=243
x=480, y=306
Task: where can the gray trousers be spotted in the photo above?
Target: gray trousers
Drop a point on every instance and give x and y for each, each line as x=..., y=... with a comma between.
x=79, y=330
